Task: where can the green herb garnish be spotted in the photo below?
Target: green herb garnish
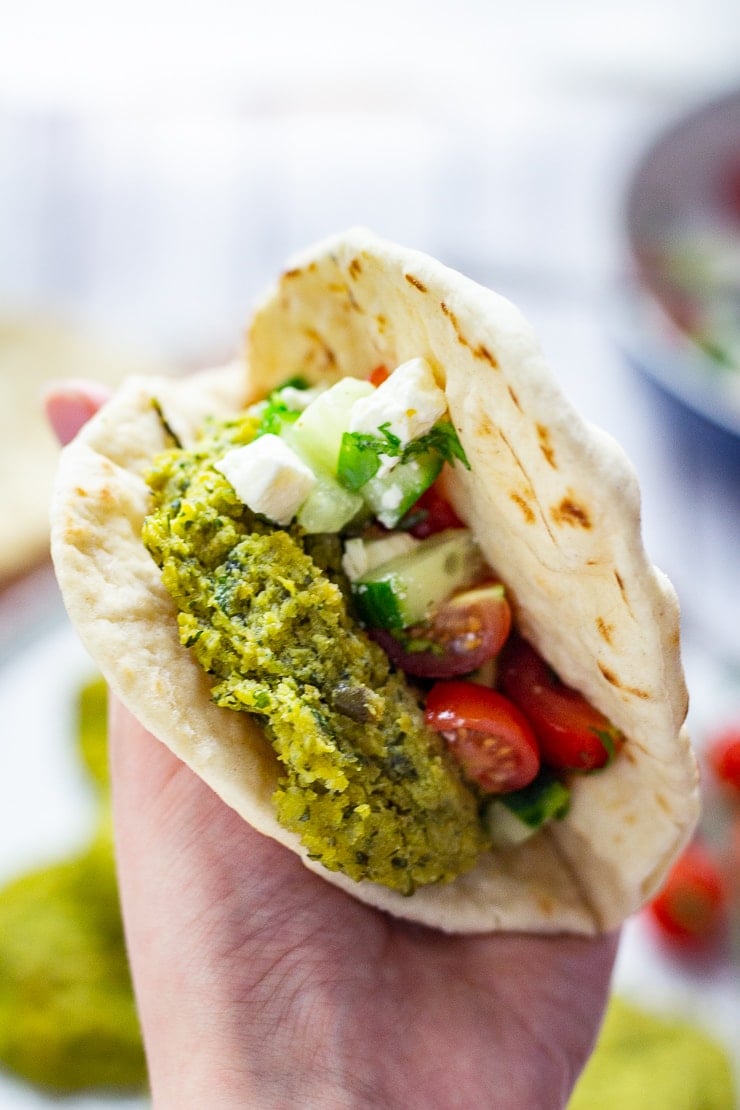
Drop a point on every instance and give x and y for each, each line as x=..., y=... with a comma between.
x=361, y=453
x=443, y=440
x=277, y=413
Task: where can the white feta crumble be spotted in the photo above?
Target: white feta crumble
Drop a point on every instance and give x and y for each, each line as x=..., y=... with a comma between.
x=268, y=477
x=387, y=462
x=391, y=498
x=409, y=403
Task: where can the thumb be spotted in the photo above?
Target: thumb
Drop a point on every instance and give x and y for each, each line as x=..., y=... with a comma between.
x=70, y=404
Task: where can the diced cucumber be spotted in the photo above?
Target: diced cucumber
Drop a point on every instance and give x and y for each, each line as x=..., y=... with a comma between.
x=512, y=818
x=361, y=556
x=505, y=829
x=317, y=433
x=403, y=591
x=390, y=497
x=545, y=797
x=329, y=506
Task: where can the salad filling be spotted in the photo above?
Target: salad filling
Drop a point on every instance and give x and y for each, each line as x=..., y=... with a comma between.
x=328, y=589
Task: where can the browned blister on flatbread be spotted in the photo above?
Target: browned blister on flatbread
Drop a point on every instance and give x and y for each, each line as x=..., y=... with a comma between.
x=554, y=505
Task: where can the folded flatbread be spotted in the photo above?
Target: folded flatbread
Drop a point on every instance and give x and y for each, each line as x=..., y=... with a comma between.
x=553, y=503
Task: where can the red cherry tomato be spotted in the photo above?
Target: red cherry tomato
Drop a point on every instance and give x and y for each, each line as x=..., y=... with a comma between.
x=730, y=188
x=379, y=375
x=488, y=735
x=572, y=734
x=723, y=756
x=432, y=513
x=462, y=634
x=690, y=909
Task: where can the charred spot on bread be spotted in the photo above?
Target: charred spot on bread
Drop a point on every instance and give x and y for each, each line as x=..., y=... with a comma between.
x=416, y=283
x=482, y=352
x=527, y=511
x=569, y=511
x=545, y=442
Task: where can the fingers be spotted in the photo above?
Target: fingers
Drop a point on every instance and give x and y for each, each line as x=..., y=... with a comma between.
x=70, y=404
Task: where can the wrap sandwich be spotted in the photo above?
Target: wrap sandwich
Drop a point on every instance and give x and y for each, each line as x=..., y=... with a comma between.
x=208, y=557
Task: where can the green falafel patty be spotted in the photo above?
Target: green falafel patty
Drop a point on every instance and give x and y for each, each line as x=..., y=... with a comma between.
x=368, y=788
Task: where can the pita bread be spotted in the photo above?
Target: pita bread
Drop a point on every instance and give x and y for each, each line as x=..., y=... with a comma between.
x=553, y=503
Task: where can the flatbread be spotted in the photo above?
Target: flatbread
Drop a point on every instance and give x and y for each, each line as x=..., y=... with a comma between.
x=553, y=503
x=34, y=350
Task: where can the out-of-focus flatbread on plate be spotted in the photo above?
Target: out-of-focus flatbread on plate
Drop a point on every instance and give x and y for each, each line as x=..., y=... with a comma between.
x=35, y=350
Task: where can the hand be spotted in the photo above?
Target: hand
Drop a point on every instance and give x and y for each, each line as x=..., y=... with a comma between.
x=259, y=985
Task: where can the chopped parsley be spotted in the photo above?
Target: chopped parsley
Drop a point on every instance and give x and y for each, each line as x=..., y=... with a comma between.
x=362, y=453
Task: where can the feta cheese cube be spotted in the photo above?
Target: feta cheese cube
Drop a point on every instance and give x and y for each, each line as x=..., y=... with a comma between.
x=268, y=477
x=409, y=403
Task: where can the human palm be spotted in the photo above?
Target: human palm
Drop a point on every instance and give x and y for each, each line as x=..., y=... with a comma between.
x=261, y=985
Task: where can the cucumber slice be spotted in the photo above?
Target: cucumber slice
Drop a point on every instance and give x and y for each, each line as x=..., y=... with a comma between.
x=545, y=798
x=362, y=556
x=505, y=829
x=317, y=433
x=403, y=591
x=513, y=818
x=389, y=498
x=328, y=507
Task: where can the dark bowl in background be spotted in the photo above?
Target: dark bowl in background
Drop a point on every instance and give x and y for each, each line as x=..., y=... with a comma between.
x=679, y=328
x=681, y=317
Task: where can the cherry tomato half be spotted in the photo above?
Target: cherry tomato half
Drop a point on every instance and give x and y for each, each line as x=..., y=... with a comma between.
x=690, y=909
x=723, y=756
x=572, y=734
x=462, y=634
x=488, y=736
x=378, y=375
x=432, y=513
